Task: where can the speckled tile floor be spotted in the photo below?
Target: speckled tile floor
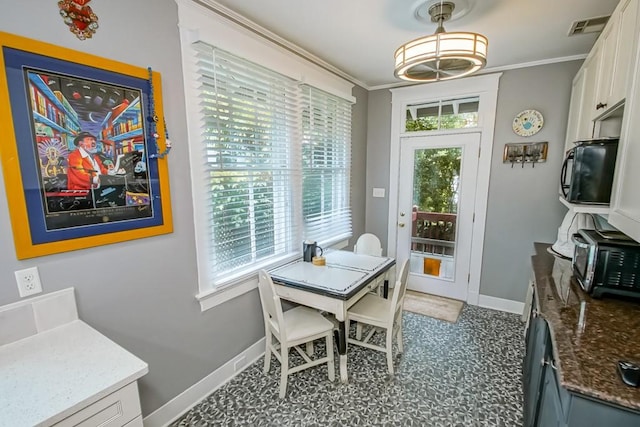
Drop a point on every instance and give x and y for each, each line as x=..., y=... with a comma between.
x=466, y=374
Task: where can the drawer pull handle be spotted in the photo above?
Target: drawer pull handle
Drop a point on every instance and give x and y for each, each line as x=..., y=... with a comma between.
x=549, y=362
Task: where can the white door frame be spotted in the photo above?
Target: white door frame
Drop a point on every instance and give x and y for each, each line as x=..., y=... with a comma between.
x=469, y=142
x=486, y=88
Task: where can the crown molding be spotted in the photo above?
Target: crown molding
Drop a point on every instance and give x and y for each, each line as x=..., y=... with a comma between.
x=491, y=70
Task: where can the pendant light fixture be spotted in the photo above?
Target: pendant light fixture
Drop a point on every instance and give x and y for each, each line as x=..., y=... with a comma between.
x=442, y=55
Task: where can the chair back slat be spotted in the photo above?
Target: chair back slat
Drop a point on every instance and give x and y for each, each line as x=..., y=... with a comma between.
x=271, y=305
x=368, y=244
x=400, y=289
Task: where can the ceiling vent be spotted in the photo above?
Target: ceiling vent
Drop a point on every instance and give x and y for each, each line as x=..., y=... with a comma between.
x=591, y=25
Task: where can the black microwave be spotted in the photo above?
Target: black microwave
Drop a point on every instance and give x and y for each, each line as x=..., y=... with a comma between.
x=587, y=171
x=606, y=265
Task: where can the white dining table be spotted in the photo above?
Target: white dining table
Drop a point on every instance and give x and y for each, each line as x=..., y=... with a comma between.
x=333, y=288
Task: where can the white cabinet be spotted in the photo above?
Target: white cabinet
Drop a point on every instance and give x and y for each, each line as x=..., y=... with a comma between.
x=583, y=95
x=625, y=200
x=576, y=111
x=627, y=25
x=591, y=69
x=617, y=43
x=604, y=79
x=118, y=409
x=608, y=46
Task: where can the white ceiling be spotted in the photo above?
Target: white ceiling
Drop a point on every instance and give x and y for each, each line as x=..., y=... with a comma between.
x=359, y=37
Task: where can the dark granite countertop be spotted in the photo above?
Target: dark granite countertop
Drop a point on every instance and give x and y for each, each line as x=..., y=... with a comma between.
x=589, y=336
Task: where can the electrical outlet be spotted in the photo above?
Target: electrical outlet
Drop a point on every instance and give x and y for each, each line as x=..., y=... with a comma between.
x=28, y=281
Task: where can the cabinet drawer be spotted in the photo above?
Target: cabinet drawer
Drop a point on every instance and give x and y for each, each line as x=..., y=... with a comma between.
x=116, y=409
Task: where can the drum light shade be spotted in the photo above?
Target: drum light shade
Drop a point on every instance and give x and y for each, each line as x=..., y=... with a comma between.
x=441, y=56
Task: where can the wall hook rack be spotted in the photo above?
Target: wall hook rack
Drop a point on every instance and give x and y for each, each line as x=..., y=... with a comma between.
x=528, y=152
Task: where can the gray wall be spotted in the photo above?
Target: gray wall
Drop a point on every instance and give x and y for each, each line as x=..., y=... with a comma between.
x=358, y=162
x=141, y=293
x=523, y=204
x=378, y=149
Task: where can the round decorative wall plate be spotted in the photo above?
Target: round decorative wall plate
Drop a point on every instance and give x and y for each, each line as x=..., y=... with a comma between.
x=528, y=122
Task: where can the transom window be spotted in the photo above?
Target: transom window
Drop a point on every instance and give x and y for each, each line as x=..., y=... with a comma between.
x=443, y=114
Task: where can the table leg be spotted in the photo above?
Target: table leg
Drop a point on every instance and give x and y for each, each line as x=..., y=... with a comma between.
x=385, y=289
x=342, y=350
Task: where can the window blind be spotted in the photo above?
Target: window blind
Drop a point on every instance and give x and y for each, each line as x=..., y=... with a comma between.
x=326, y=166
x=249, y=118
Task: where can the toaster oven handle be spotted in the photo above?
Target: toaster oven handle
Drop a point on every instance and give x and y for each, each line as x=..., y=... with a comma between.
x=579, y=241
x=563, y=173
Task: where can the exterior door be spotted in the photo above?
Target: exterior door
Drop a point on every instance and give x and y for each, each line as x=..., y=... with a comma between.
x=436, y=211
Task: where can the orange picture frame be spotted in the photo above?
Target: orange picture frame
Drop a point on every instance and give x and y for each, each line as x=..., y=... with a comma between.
x=49, y=97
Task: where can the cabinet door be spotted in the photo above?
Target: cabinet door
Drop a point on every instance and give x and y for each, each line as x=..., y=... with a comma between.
x=627, y=13
x=550, y=411
x=533, y=368
x=576, y=110
x=625, y=203
x=609, y=43
x=591, y=69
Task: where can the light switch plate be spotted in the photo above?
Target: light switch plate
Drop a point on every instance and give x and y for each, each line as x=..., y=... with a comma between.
x=378, y=192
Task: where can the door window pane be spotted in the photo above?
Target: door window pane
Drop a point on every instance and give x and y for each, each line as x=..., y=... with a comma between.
x=436, y=184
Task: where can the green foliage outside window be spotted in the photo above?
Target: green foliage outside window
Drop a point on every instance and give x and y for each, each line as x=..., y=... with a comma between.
x=447, y=121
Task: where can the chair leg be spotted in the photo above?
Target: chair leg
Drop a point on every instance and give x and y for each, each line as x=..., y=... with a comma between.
x=284, y=369
x=331, y=362
x=389, y=339
x=358, y=331
x=399, y=337
x=267, y=352
x=310, y=348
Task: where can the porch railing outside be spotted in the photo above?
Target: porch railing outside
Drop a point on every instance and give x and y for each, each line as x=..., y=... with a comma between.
x=433, y=233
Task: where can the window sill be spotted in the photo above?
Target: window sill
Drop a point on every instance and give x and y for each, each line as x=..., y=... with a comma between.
x=213, y=297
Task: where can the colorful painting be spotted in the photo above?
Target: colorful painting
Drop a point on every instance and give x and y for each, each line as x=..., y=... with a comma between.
x=85, y=150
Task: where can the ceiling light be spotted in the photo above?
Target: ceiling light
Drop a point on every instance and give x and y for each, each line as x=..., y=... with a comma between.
x=441, y=56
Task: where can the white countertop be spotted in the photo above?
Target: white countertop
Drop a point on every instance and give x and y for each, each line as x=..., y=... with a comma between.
x=51, y=375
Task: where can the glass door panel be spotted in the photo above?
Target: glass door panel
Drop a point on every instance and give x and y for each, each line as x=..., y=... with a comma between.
x=436, y=182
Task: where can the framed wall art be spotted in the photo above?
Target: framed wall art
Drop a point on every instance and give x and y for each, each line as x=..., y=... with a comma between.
x=80, y=149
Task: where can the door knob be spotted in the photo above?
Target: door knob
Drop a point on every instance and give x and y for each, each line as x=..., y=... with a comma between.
x=402, y=213
x=401, y=224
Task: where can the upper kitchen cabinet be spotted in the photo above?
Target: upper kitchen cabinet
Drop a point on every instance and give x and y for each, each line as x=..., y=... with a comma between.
x=583, y=96
x=625, y=202
x=575, y=123
x=603, y=80
x=617, y=43
x=627, y=26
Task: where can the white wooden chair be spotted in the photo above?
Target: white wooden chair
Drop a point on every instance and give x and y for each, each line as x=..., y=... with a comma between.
x=381, y=313
x=369, y=244
x=300, y=325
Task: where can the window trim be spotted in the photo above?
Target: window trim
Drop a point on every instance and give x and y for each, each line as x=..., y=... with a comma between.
x=199, y=23
x=216, y=296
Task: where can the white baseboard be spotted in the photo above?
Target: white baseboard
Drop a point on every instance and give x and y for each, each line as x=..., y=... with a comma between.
x=501, y=304
x=180, y=404
x=473, y=298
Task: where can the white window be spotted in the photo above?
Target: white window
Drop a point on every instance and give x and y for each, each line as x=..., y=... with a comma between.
x=276, y=161
x=326, y=166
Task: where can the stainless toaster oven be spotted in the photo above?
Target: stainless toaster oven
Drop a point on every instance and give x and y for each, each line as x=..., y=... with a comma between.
x=605, y=265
